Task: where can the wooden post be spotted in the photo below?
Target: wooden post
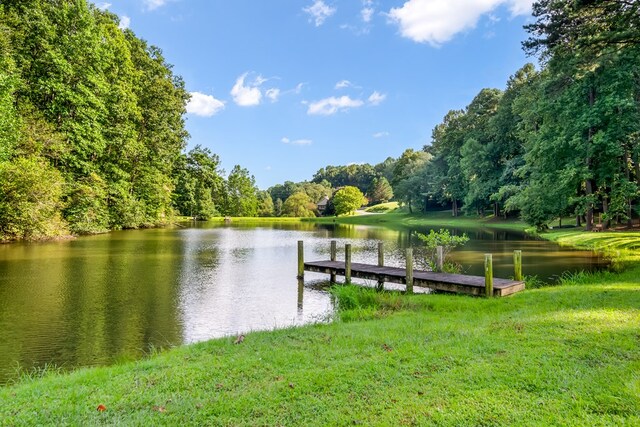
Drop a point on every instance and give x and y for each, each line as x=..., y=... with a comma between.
x=488, y=275
x=380, y=264
x=300, y=294
x=517, y=265
x=347, y=263
x=300, y=259
x=409, y=278
x=440, y=259
x=333, y=258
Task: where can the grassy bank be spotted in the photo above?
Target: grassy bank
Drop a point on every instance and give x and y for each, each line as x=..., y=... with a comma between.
x=564, y=355
x=431, y=219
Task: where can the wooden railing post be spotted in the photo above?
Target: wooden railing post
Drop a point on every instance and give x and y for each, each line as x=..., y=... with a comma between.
x=517, y=265
x=300, y=259
x=439, y=259
x=488, y=275
x=347, y=263
x=333, y=258
x=380, y=264
x=409, y=266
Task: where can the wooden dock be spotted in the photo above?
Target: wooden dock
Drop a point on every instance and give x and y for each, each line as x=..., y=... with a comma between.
x=485, y=285
x=443, y=282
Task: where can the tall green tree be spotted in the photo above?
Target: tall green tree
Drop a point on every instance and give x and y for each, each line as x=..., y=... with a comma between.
x=242, y=193
x=348, y=199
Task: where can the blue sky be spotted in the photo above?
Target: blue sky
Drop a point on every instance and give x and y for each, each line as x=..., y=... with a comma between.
x=285, y=87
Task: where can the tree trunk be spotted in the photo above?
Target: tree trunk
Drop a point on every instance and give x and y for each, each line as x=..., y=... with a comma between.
x=589, y=181
x=589, y=213
x=605, y=210
x=454, y=208
x=627, y=170
x=578, y=222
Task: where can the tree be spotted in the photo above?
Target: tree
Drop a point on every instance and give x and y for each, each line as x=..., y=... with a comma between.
x=265, y=204
x=380, y=191
x=348, y=199
x=30, y=200
x=298, y=205
x=242, y=193
x=277, y=207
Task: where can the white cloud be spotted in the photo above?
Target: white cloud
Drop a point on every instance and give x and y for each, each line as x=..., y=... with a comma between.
x=154, y=4
x=380, y=134
x=273, y=94
x=376, y=98
x=204, y=105
x=437, y=21
x=103, y=6
x=247, y=95
x=343, y=84
x=319, y=12
x=286, y=140
x=329, y=106
x=520, y=7
x=125, y=21
x=366, y=14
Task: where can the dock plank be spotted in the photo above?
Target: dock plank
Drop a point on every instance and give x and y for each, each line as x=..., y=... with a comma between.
x=444, y=282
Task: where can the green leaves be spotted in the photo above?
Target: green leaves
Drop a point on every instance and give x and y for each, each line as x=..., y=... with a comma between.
x=348, y=199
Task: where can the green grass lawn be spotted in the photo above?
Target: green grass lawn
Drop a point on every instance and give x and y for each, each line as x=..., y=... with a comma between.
x=560, y=355
x=430, y=219
x=383, y=207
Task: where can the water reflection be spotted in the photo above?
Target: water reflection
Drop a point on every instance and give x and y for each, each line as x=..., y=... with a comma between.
x=98, y=299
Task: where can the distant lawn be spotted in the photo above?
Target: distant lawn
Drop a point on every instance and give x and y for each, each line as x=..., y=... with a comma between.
x=429, y=219
x=256, y=219
x=383, y=207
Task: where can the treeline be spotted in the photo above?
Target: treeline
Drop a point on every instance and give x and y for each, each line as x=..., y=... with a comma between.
x=561, y=141
x=92, y=129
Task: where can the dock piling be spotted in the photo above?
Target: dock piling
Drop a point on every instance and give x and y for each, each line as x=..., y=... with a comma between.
x=440, y=259
x=333, y=252
x=347, y=263
x=300, y=259
x=517, y=265
x=488, y=275
x=409, y=267
x=380, y=264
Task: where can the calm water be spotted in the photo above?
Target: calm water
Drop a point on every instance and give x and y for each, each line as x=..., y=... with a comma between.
x=100, y=299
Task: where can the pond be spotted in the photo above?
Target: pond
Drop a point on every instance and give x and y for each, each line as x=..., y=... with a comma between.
x=101, y=299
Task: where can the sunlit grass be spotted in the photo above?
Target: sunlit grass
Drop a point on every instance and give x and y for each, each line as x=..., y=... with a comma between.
x=383, y=207
x=400, y=218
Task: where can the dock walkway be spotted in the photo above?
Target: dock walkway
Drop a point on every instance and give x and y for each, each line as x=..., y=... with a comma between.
x=444, y=282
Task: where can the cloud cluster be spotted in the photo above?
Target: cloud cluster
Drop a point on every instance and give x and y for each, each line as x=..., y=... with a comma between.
x=286, y=140
x=367, y=11
x=376, y=98
x=319, y=11
x=332, y=105
x=437, y=21
x=247, y=95
x=154, y=4
x=380, y=134
x=204, y=105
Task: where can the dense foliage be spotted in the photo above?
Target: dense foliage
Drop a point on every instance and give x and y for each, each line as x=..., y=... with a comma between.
x=92, y=129
x=91, y=122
